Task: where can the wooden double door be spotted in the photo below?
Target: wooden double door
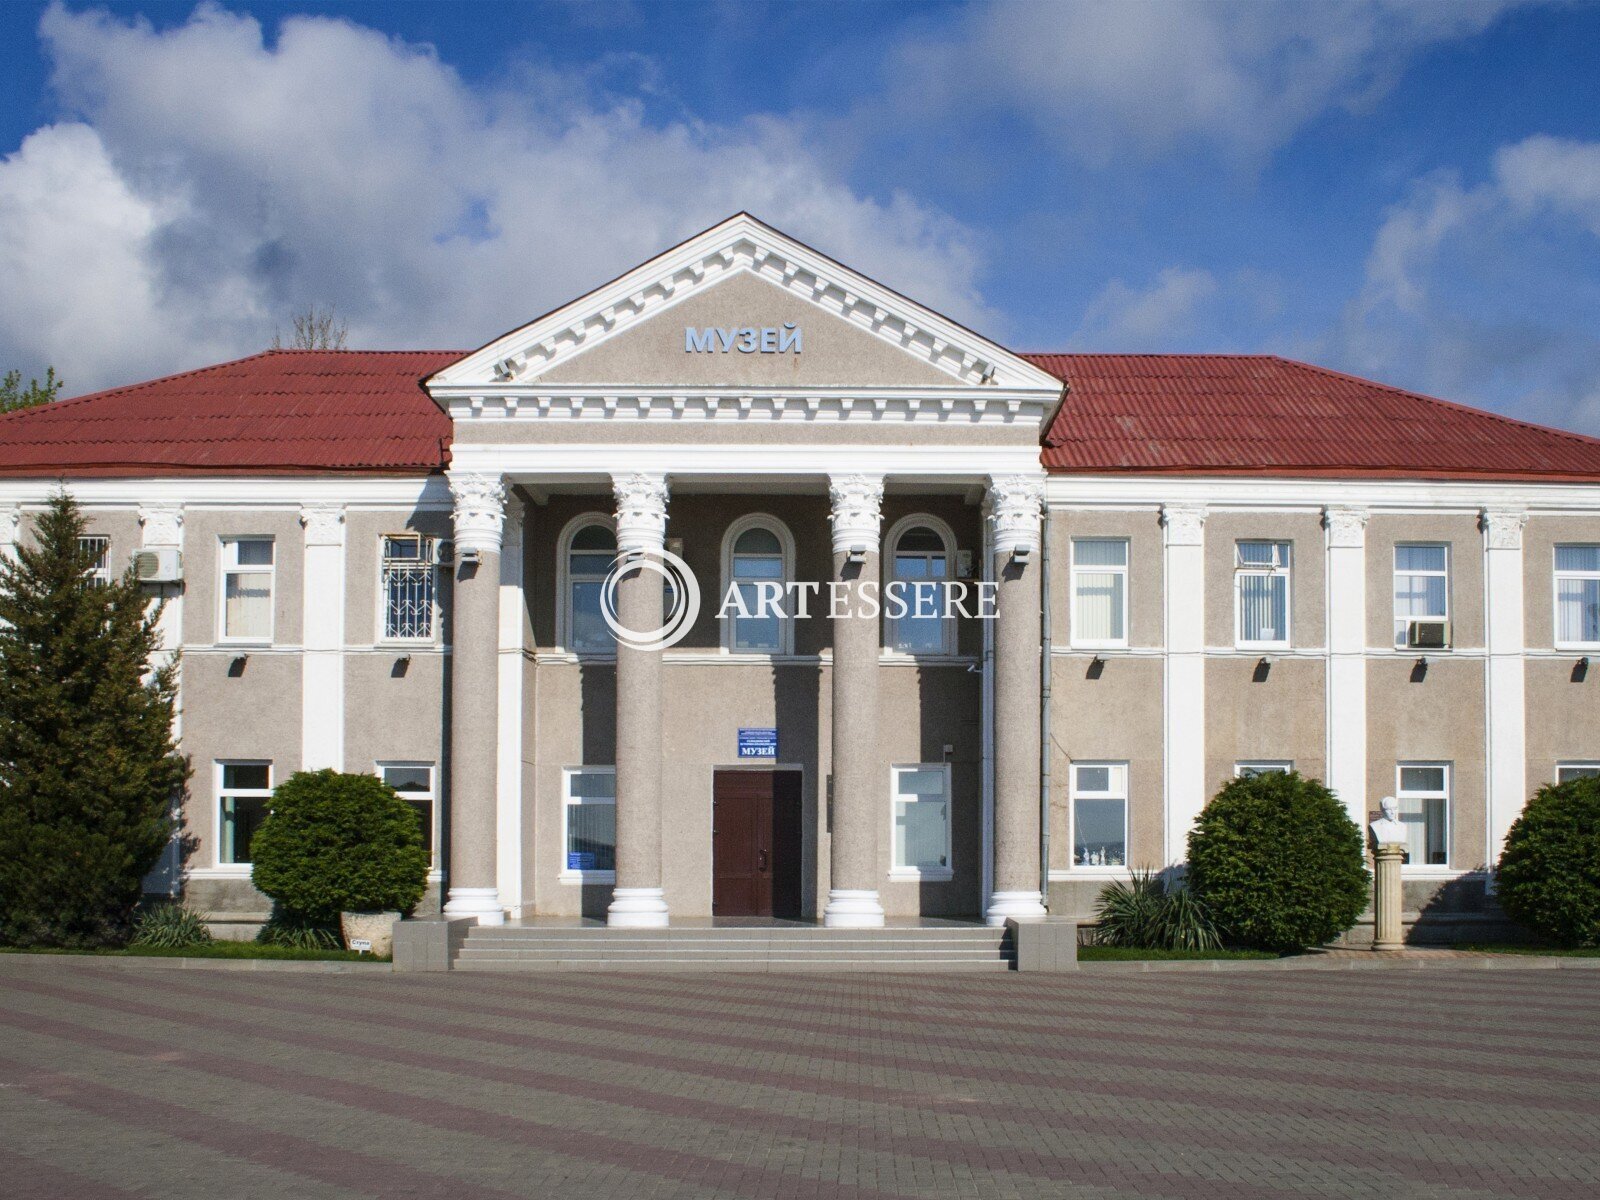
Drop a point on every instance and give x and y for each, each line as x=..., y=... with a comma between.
x=756, y=835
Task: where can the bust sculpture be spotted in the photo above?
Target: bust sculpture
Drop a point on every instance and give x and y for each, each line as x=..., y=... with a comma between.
x=1388, y=829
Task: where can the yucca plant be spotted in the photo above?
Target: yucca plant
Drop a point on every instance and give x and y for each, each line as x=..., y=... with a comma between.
x=294, y=931
x=1145, y=913
x=170, y=926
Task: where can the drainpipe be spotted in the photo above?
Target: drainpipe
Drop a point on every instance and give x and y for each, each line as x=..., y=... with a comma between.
x=1044, y=710
x=986, y=692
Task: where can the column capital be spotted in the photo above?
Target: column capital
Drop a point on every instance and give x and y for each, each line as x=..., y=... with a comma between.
x=641, y=510
x=1185, y=524
x=324, y=524
x=480, y=512
x=1346, y=525
x=1502, y=527
x=162, y=524
x=856, y=510
x=1016, y=505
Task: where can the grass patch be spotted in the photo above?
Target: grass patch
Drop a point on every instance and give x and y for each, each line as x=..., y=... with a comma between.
x=213, y=950
x=1133, y=954
x=1546, y=951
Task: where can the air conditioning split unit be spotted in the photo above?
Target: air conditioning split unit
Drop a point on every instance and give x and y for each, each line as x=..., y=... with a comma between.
x=442, y=552
x=158, y=566
x=1427, y=633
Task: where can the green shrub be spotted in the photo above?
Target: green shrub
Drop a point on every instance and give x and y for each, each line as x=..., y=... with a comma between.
x=292, y=931
x=339, y=843
x=1549, y=873
x=170, y=926
x=1278, y=863
x=1146, y=914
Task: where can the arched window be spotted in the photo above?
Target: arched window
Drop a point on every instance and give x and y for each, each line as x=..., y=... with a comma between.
x=591, y=545
x=758, y=558
x=920, y=561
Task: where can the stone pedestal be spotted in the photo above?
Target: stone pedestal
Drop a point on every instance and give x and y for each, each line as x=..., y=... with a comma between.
x=1386, y=933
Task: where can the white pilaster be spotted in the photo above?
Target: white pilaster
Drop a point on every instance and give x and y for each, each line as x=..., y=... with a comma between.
x=508, y=844
x=1184, y=693
x=322, y=670
x=1505, y=700
x=10, y=529
x=1347, y=657
x=161, y=528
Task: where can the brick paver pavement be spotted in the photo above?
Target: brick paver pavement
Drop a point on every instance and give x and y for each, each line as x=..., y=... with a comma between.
x=120, y=1081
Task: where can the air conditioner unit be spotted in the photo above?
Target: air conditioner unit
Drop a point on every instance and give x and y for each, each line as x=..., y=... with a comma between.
x=1427, y=633
x=158, y=566
x=441, y=552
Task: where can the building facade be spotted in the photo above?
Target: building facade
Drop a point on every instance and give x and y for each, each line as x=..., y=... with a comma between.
x=1195, y=567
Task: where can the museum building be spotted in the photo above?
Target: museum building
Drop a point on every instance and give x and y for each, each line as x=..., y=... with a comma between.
x=1197, y=566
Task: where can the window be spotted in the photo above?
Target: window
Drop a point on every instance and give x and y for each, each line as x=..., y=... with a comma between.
x=244, y=793
x=1576, y=770
x=1249, y=770
x=247, y=589
x=757, y=563
x=1424, y=799
x=1099, y=592
x=407, y=576
x=590, y=552
x=920, y=563
x=97, y=549
x=414, y=782
x=922, y=820
x=1577, y=595
x=1261, y=585
x=590, y=806
x=1421, y=587
x=1099, y=814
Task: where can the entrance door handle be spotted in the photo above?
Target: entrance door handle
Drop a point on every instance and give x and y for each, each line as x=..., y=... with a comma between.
x=763, y=864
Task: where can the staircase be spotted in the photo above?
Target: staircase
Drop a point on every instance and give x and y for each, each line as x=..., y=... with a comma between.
x=933, y=948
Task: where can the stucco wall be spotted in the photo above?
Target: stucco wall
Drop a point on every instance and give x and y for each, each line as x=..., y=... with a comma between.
x=203, y=530
x=1253, y=715
x=1145, y=541
x=1308, y=567
x=1539, y=540
x=1460, y=532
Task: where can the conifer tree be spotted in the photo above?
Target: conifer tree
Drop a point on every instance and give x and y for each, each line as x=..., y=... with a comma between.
x=88, y=767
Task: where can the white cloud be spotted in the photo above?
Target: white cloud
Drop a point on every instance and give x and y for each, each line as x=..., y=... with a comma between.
x=1124, y=318
x=212, y=183
x=1556, y=174
x=1110, y=79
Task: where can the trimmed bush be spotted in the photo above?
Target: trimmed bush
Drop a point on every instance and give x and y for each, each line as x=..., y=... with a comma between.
x=1146, y=914
x=1278, y=863
x=339, y=843
x=170, y=926
x=1549, y=873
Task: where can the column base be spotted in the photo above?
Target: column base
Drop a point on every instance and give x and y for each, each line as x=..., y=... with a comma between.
x=483, y=903
x=637, y=908
x=853, y=908
x=1022, y=906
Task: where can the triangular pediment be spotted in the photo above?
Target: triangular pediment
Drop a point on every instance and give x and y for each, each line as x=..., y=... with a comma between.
x=741, y=306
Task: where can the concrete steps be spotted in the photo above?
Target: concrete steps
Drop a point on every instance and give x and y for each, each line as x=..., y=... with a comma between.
x=743, y=948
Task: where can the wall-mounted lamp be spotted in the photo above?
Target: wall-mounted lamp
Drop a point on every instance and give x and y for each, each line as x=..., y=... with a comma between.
x=1097, y=666
x=1423, y=662
x=1580, y=669
x=1263, y=669
x=1419, y=672
x=473, y=556
x=401, y=666
x=1022, y=554
x=856, y=554
x=236, y=667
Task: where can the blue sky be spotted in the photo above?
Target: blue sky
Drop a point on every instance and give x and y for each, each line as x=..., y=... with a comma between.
x=1407, y=191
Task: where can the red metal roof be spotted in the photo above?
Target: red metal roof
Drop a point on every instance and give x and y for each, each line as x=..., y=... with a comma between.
x=301, y=411
x=1236, y=414
x=280, y=412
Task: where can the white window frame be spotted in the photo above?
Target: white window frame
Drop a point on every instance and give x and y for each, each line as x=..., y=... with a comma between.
x=1286, y=570
x=1588, y=765
x=947, y=624
x=1394, y=589
x=786, y=548
x=1556, y=576
x=925, y=874
x=219, y=793
x=224, y=570
x=569, y=874
x=98, y=575
x=1074, y=793
x=1449, y=813
x=432, y=797
x=564, y=585
x=1098, y=643
x=1262, y=766
x=426, y=547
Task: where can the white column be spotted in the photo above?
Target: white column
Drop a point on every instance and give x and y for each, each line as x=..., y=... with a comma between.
x=1505, y=699
x=1184, y=693
x=1347, y=657
x=508, y=842
x=322, y=670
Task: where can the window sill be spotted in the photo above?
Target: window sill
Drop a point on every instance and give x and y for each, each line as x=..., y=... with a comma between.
x=1262, y=646
x=222, y=871
x=1579, y=647
x=921, y=875
x=577, y=878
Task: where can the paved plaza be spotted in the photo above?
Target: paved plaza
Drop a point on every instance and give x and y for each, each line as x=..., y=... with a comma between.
x=119, y=1081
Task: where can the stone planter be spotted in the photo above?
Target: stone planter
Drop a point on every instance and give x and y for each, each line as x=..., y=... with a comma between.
x=376, y=928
